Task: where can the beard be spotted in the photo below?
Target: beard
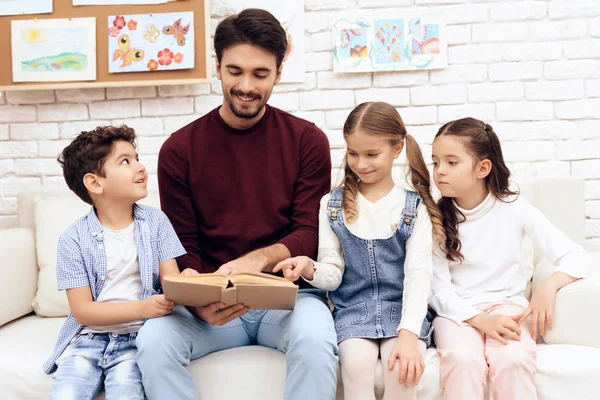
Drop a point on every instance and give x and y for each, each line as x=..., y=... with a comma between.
x=244, y=112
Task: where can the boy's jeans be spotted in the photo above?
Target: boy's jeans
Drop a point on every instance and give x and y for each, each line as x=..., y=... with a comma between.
x=92, y=359
x=306, y=335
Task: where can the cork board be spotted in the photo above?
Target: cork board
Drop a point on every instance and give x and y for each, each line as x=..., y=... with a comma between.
x=65, y=9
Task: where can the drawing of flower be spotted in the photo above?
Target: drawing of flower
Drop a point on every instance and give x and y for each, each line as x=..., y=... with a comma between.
x=132, y=25
x=119, y=22
x=178, y=58
x=152, y=65
x=165, y=57
x=113, y=31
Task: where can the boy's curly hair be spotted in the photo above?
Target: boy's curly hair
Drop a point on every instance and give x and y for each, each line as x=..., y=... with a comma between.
x=87, y=155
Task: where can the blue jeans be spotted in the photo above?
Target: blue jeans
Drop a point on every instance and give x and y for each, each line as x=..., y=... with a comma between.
x=306, y=335
x=91, y=357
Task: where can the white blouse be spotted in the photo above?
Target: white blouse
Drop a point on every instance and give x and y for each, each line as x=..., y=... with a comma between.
x=379, y=220
x=491, y=239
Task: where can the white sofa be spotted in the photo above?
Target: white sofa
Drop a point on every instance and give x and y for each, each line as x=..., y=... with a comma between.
x=568, y=361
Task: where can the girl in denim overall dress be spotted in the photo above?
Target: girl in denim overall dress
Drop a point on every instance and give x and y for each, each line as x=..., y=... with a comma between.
x=375, y=256
x=483, y=326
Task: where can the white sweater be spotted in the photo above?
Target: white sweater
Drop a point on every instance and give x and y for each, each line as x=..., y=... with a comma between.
x=491, y=239
x=379, y=221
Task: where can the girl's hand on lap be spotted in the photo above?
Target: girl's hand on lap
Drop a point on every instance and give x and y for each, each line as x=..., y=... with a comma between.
x=408, y=354
x=499, y=327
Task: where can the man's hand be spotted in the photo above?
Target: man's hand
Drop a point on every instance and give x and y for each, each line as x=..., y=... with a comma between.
x=294, y=267
x=407, y=353
x=189, y=272
x=216, y=314
x=498, y=326
x=250, y=262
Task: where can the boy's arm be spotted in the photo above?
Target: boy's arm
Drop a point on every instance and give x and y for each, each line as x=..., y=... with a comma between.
x=92, y=313
x=169, y=247
x=167, y=268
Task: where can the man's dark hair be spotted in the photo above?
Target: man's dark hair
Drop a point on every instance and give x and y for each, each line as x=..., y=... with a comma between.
x=87, y=155
x=252, y=26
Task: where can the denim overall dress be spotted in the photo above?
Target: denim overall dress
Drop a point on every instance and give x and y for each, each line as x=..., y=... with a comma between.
x=368, y=302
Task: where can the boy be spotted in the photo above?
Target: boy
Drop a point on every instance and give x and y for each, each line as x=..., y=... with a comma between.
x=111, y=263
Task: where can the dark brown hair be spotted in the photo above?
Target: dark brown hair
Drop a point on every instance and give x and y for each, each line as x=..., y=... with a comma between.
x=482, y=142
x=87, y=155
x=251, y=26
x=382, y=119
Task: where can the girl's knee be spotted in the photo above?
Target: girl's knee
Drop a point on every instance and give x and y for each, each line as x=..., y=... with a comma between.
x=518, y=358
x=357, y=370
x=463, y=359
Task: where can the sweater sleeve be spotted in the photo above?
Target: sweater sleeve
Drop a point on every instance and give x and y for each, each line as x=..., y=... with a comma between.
x=176, y=202
x=313, y=182
x=561, y=251
x=444, y=300
x=329, y=267
x=417, y=273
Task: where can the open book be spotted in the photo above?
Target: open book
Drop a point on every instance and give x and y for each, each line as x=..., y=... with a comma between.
x=256, y=290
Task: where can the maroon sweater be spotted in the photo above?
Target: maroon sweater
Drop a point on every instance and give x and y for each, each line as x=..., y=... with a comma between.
x=228, y=192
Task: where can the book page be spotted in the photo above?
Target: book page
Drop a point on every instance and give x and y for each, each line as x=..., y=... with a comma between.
x=204, y=279
x=258, y=278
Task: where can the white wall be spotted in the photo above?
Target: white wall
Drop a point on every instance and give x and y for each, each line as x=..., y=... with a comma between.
x=529, y=68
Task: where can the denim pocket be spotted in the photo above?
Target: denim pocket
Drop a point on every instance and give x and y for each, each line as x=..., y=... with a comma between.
x=395, y=310
x=352, y=315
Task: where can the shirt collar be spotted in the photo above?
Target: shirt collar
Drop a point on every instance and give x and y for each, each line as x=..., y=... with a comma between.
x=482, y=209
x=96, y=229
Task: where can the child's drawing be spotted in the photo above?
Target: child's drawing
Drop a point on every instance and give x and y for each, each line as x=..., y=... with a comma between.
x=150, y=42
x=52, y=50
x=376, y=42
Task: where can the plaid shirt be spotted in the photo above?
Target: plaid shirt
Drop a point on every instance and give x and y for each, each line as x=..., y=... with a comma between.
x=81, y=261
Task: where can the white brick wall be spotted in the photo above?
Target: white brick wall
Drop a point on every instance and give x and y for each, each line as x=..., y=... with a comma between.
x=531, y=68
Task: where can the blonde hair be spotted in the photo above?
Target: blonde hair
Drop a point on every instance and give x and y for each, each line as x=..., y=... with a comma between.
x=382, y=119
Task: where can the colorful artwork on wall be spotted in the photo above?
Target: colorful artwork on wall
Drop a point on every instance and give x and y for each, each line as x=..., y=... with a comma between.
x=52, y=50
x=150, y=42
x=388, y=44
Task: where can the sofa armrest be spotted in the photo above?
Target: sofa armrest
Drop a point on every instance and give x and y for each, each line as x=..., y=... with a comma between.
x=18, y=272
x=576, y=310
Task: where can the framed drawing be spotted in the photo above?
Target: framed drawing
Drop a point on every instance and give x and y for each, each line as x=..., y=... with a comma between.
x=53, y=50
x=389, y=43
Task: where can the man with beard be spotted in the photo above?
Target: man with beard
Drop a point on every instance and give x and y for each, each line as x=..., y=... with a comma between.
x=242, y=186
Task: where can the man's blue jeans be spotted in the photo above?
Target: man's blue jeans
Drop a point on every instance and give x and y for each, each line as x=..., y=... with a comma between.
x=306, y=335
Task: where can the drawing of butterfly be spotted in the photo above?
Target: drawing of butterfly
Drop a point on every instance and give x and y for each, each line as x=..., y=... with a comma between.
x=125, y=53
x=152, y=34
x=177, y=30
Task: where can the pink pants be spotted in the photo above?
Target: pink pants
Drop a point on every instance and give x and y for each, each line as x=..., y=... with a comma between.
x=467, y=356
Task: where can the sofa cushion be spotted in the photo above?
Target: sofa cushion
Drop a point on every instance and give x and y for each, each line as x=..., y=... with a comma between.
x=564, y=371
x=18, y=270
x=53, y=214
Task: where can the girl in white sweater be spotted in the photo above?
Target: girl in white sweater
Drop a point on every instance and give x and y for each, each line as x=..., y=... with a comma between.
x=485, y=325
x=375, y=256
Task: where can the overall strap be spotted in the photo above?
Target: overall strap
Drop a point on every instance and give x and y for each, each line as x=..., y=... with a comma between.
x=411, y=205
x=334, y=205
